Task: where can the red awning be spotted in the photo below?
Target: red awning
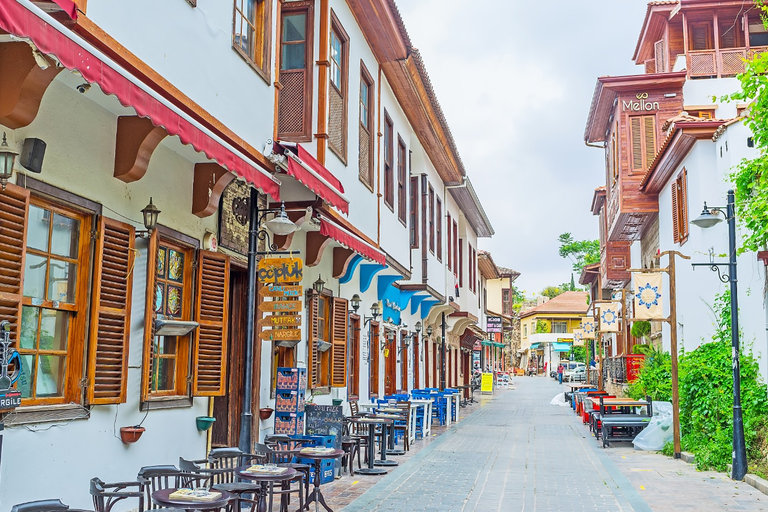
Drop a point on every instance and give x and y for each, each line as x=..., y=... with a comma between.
x=68, y=6
x=351, y=241
x=313, y=175
x=73, y=52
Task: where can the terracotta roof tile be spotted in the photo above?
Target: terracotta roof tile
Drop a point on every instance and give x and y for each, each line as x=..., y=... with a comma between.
x=568, y=302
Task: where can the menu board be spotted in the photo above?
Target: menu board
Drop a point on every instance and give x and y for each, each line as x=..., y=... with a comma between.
x=324, y=420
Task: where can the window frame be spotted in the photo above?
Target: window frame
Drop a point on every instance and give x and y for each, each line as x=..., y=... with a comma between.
x=646, y=154
x=439, y=229
x=338, y=30
x=431, y=220
x=263, y=37
x=290, y=9
x=402, y=188
x=455, y=246
x=389, y=185
x=367, y=79
x=449, y=242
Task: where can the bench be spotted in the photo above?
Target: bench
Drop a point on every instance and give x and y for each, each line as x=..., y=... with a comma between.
x=629, y=425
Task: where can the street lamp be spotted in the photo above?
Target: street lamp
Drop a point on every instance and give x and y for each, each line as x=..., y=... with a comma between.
x=7, y=157
x=355, y=302
x=708, y=218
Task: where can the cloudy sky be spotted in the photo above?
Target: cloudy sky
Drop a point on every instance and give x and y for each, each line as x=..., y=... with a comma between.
x=515, y=80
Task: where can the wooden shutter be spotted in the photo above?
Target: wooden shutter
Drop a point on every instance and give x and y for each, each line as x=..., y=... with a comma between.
x=681, y=206
x=212, y=313
x=110, y=313
x=14, y=206
x=339, y=322
x=313, y=327
x=675, y=216
x=149, y=315
x=636, y=140
x=649, y=140
x=661, y=62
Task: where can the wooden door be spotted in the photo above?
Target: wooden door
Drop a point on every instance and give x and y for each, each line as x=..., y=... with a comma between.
x=416, y=379
x=435, y=372
x=373, y=370
x=403, y=364
x=353, y=389
x=390, y=365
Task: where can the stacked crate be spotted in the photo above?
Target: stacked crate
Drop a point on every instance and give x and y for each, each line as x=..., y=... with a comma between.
x=289, y=400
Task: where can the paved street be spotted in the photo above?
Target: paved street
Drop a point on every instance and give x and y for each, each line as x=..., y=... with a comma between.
x=518, y=452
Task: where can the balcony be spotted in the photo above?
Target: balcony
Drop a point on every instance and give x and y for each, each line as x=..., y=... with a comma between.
x=720, y=63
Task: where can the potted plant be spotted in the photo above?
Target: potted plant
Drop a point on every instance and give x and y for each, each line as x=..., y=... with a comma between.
x=204, y=422
x=131, y=434
x=265, y=413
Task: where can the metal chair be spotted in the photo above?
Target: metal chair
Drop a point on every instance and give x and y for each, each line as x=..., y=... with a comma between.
x=43, y=506
x=278, y=447
x=218, y=472
x=105, y=496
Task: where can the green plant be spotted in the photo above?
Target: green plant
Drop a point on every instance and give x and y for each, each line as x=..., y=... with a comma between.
x=640, y=328
x=578, y=354
x=642, y=348
x=542, y=327
x=654, y=378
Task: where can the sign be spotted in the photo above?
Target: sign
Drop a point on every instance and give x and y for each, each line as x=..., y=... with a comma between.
x=493, y=324
x=281, y=334
x=280, y=321
x=477, y=346
x=280, y=270
x=280, y=306
x=233, y=217
x=324, y=420
x=281, y=290
x=486, y=383
x=10, y=399
x=640, y=104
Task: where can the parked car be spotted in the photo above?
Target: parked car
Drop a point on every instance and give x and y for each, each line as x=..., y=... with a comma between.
x=567, y=366
x=578, y=374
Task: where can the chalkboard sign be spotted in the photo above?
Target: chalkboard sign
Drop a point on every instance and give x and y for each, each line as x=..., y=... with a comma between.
x=324, y=420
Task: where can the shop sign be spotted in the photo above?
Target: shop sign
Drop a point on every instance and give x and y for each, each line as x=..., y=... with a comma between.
x=493, y=324
x=486, y=383
x=280, y=306
x=640, y=104
x=280, y=321
x=478, y=345
x=281, y=334
x=10, y=399
x=281, y=290
x=280, y=270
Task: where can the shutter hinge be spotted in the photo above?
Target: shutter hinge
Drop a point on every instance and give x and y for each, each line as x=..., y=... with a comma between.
x=83, y=382
x=94, y=234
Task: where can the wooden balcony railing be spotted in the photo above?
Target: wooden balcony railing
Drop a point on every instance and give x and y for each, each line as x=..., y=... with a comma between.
x=720, y=63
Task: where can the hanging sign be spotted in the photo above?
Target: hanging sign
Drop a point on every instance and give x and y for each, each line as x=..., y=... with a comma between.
x=648, y=296
x=280, y=270
x=281, y=290
x=493, y=324
x=609, y=317
x=280, y=306
x=281, y=334
x=280, y=321
x=588, y=328
x=578, y=337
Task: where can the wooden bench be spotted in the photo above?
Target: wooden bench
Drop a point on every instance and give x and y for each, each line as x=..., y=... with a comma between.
x=627, y=424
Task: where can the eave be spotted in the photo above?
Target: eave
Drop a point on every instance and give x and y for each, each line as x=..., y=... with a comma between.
x=589, y=274
x=469, y=203
x=607, y=91
x=655, y=17
x=672, y=152
x=598, y=200
x=487, y=266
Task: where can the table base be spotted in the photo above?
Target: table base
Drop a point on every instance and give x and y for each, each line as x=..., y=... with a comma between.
x=385, y=463
x=317, y=497
x=395, y=452
x=371, y=471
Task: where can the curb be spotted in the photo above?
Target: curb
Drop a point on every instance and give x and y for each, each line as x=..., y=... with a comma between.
x=753, y=480
x=688, y=457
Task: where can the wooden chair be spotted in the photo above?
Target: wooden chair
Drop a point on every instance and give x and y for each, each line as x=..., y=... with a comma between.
x=43, y=506
x=154, y=478
x=105, y=496
x=218, y=471
x=403, y=425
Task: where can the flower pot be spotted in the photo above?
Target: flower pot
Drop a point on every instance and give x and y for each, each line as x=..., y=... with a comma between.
x=130, y=435
x=265, y=413
x=204, y=422
x=337, y=401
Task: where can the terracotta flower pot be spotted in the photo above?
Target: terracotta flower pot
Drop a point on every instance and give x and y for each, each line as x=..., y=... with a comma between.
x=265, y=413
x=130, y=435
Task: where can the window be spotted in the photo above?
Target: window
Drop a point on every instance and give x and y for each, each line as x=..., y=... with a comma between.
x=701, y=36
x=680, y=208
x=414, y=216
x=758, y=34
x=389, y=191
x=461, y=263
x=337, y=94
x=643, y=141
x=525, y=330
x=439, y=229
x=294, y=121
x=401, y=180
x=365, y=154
x=328, y=318
x=455, y=246
x=559, y=327
x=506, y=306
x=704, y=112
x=251, y=34
x=54, y=304
x=431, y=220
x=448, y=244
x=660, y=56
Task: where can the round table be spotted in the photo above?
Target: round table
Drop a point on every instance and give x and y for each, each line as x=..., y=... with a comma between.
x=316, y=495
x=390, y=444
x=264, y=479
x=371, y=422
x=161, y=498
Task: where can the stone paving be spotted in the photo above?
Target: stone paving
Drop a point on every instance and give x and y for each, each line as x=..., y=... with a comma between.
x=515, y=451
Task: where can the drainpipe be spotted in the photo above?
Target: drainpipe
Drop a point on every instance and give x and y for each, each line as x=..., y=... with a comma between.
x=442, y=358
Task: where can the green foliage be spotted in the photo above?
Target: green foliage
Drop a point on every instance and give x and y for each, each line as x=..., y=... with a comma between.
x=552, y=291
x=542, y=327
x=578, y=354
x=642, y=348
x=580, y=252
x=750, y=177
x=654, y=378
x=641, y=328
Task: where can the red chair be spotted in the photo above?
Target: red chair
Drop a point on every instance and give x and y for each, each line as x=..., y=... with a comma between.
x=586, y=415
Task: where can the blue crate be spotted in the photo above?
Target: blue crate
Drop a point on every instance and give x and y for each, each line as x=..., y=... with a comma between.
x=326, y=470
x=325, y=441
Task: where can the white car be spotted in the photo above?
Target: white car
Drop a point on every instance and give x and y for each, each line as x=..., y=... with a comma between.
x=576, y=375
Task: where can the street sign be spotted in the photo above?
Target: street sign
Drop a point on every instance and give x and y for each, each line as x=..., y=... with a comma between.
x=281, y=334
x=10, y=399
x=280, y=306
x=280, y=321
x=281, y=290
x=280, y=270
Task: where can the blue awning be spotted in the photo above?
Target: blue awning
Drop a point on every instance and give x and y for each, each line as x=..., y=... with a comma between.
x=534, y=346
x=561, y=347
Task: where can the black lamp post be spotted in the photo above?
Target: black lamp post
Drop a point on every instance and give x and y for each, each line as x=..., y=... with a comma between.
x=707, y=219
x=442, y=357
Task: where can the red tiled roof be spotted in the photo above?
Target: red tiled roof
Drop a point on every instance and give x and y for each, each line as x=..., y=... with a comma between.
x=568, y=302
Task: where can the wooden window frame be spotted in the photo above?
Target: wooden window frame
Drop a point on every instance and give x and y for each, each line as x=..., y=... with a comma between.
x=439, y=229
x=262, y=26
x=353, y=377
x=647, y=126
x=680, y=215
x=77, y=322
x=449, y=242
x=338, y=30
x=402, y=182
x=389, y=184
x=373, y=354
x=431, y=220
x=455, y=246
x=288, y=9
x=367, y=79
x=461, y=262
x=414, y=212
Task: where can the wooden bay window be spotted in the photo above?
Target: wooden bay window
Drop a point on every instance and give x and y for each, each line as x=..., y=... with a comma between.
x=365, y=152
x=251, y=34
x=294, y=121
x=337, y=102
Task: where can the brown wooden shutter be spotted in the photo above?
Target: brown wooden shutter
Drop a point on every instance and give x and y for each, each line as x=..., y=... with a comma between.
x=339, y=322
x=661, y=62
x=212, y=313
x=649, y=133
x=636, y=140
x=14, y=206
x=149, y=315
x=313, y=334
x=682, y=205
x=110, y=313
x=675, y=215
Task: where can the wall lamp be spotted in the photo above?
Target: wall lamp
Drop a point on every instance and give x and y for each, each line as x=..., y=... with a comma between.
x=7, y=158
x=279, y=225
x=355, y=303
x=408, y=338
x=429, y=331
x=390, y=339
x=150, y=214
x=374, y=313
x=319, y=285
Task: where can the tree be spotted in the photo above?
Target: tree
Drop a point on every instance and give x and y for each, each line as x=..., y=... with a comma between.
x=552, y=291
x=580, y=252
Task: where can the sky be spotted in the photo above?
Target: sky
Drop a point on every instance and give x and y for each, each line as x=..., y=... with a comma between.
x=515, y=81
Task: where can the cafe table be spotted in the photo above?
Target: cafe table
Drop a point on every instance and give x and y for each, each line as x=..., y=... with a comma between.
x=368, y=407
x=371, y=421
x=264, y=478
x=318, y=457
x=426, y=426
x=162, y=498
x=391, y=450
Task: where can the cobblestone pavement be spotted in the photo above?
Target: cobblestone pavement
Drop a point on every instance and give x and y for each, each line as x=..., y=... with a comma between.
x=515, y=451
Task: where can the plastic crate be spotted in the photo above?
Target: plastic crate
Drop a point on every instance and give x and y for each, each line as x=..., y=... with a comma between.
x=289, y=401
x=326, y=470
x=291, y=379
x=324, y=441
x=289, y=423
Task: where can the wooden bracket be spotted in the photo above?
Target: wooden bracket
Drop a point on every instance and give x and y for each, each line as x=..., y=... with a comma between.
x=341, y=259
x=208, y=184
x=135, y=142
x=316, y=244
x=22, y=84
